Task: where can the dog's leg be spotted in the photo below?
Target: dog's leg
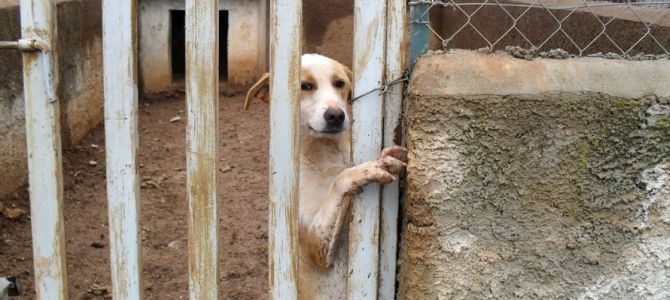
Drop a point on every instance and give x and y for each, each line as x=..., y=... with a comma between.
x=320, y=238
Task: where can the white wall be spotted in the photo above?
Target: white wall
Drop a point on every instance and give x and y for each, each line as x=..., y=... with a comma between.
x=246, y=41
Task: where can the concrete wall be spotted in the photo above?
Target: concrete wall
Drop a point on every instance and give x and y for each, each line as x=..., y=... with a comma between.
x=80, y=67
x=246, y=42
x=537, y=179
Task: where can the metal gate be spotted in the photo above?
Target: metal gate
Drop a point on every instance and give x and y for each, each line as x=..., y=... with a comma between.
x=378, y=56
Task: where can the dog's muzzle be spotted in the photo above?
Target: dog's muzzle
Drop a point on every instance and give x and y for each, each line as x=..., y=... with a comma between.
x=334, y=117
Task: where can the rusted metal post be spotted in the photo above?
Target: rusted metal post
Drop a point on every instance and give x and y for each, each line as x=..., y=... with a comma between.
x=284, y=162
x=396, y=45
x=40, y=85
x=368, y=68
x=202, y=157
x=119, y=41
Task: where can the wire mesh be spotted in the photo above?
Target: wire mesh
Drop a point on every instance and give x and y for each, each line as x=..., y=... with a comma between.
x=577, y=27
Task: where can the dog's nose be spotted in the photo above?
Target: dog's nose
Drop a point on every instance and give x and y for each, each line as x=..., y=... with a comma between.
x=334, y=116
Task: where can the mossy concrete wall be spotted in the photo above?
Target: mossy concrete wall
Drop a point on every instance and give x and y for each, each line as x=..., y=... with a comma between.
x=80, y=67
x=537, y=179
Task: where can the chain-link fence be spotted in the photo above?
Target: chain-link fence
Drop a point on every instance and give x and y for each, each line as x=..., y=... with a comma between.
x=578, y=27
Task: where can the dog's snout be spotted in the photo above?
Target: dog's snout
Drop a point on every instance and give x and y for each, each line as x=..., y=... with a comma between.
x=334, y=116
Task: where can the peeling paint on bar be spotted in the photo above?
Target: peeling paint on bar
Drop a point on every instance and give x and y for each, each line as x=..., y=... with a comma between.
x=284, y=162
x=396, y=45
x=40, y=83
x=121, y=139
x=202, y=131
x=368, y=68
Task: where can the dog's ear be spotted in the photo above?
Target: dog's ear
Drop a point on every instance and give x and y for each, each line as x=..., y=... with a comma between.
x=260, y=89
x=349, y=74
x=350, y=95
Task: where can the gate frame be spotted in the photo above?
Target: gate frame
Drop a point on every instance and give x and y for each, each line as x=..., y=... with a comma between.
x=377, y=117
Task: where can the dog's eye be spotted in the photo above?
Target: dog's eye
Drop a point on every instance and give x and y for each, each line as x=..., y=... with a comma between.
x=306, y=86
x=340, y=83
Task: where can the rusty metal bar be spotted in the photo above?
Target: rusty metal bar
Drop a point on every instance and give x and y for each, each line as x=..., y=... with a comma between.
x=40, y=83
x=202, y=157
x=9, y=45
x=368, y=68
x=396, y=43
x=285, y=33
x=121, y=137
x=25, y=45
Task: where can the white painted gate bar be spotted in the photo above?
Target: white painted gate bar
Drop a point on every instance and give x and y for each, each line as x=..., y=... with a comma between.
x=202, y=154
x=40, y=86
x=284, y=165
x=368, y=69
x=395, y=59
x=121, y=139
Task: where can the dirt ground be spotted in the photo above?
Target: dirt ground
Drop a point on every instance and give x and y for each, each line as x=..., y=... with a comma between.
x=242, y=195
x=242, y=207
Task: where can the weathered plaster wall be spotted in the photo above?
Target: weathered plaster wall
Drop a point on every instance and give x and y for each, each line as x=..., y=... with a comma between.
x=246, y=42
x=80, y=67
x=537, y=179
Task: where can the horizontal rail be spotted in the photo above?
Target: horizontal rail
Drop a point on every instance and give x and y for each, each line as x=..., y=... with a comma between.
x=25, y=45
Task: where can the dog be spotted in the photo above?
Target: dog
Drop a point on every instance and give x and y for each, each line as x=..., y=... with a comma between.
x=327, y=180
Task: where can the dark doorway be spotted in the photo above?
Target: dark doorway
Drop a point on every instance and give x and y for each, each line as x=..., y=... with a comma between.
x=178, y=44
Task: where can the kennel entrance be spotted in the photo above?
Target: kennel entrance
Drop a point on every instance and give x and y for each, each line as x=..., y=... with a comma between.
x=178, y=44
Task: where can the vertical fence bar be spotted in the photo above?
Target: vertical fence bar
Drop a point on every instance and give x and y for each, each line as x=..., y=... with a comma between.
x=419, y=17
x=285, y=32
x=368, y=67
x=395, y=60
x=40, y=85
x=202, y=157
x=121, y=139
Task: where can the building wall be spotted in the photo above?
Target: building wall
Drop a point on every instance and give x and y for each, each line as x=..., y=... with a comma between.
x=246, y=42
x=540, y=179
x=80, y=67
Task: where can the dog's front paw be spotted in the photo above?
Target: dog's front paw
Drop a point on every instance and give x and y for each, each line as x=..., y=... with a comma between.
x=381, y=171
x=389, y=165
x=397, y=152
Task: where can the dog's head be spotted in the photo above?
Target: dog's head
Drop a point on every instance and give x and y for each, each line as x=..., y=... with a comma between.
x=326, y=87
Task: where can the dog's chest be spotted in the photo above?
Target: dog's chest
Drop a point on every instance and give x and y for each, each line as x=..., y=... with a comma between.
x=315, y=181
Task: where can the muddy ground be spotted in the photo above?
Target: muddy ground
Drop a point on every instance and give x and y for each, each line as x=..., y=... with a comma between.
x=242, y=207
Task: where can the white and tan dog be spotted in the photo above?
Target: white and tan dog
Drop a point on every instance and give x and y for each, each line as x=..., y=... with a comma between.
x=327, y=181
